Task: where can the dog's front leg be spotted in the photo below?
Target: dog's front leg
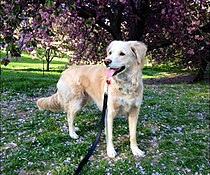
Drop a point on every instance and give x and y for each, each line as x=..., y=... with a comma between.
x=109, y=134
x=133, y=119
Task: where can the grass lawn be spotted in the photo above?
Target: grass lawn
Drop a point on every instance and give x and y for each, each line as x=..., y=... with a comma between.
x=173, y=128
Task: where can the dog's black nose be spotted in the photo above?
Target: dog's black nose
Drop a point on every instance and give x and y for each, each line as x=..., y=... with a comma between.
x=107, y=62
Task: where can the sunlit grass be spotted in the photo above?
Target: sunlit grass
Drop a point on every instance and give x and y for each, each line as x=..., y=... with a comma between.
x=30, y=62
x=35, y=63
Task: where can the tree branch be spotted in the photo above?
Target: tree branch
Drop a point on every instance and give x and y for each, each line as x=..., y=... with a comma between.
x=85, y=13
x=106, y=27
x=158, y=44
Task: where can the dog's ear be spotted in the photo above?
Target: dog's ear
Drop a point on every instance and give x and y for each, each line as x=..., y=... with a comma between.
x=139, y=49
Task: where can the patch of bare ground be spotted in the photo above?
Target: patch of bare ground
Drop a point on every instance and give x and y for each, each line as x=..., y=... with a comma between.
x=172, y=79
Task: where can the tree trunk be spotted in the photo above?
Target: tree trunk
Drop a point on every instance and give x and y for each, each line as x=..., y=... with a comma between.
x=204, y=60
x=47, y=55
x=115, y=18
x=48, y=66
x=137, y=23
x=201, y=71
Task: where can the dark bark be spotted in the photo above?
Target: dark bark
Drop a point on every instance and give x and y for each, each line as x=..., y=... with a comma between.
x=106, y=27
x=201, y=71
x=85, y=13
x=204, y=57
x=48, y=67
x=204, y=61
x=137, y=22
x=49, y=57
x=158, y=44
x=115, y=17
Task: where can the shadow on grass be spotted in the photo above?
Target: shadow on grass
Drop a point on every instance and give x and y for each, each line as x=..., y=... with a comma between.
x=35, y=69
x=172, y=79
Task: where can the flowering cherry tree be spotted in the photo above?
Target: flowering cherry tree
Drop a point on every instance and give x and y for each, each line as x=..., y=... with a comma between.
x=176, y=31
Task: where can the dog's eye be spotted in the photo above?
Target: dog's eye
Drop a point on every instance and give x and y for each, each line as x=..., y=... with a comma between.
x=122, y=54
x=110, y=52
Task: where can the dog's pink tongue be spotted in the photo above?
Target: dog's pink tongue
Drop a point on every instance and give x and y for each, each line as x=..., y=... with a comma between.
x=110, y=72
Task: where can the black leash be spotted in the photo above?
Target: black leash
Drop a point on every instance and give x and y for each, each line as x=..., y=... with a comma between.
x=94, y=144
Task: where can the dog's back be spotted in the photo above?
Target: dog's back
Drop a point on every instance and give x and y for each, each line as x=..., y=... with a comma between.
x=80, y=82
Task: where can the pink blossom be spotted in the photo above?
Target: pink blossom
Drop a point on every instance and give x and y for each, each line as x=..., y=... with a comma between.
x=198, y=37
x=191, y=52
x=163, y=11
x=123, y=1
x=196, y=22
x=191, y=29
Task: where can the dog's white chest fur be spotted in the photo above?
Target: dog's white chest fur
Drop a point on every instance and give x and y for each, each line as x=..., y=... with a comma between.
x=126, y=104
x=128, y=97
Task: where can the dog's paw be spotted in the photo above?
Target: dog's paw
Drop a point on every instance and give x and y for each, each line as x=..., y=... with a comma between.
x=137, y=152
x=111, y=152
x=74, y=135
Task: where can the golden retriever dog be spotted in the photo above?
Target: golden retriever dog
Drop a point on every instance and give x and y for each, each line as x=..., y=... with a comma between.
x=79, y=84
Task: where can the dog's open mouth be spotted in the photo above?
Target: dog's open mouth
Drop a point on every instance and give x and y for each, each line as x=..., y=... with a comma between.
x=114, y=71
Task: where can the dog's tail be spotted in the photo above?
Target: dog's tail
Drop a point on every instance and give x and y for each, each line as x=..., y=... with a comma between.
x=49, y=103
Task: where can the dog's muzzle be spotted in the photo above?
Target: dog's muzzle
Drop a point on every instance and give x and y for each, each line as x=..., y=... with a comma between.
x=112, y=71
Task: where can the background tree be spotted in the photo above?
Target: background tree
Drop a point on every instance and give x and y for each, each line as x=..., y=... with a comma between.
x=176, y=32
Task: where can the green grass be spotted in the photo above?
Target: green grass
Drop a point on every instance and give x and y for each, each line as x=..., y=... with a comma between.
x=173, y=128
x=26, y=73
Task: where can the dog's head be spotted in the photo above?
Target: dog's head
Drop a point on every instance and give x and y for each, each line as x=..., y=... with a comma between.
x=123, y=56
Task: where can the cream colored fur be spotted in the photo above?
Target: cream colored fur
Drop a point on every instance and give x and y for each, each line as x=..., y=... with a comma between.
x=79, y=84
